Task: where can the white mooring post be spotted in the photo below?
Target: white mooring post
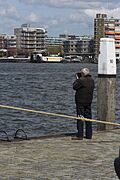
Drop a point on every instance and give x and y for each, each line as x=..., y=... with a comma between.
x=106, y=101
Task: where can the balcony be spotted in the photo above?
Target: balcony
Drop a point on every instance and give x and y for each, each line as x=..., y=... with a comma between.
x=109, y=32
x=117, y=37
x=117, y=46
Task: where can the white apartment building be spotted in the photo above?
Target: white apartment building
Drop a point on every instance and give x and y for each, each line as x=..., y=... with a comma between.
x=30, y=39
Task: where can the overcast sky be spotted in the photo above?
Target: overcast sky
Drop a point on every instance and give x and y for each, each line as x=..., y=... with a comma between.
x=57, y=16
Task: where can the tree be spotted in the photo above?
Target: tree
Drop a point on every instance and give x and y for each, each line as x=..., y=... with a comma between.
x=55, y=50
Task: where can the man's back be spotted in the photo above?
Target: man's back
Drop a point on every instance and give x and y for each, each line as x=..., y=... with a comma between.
x=84, y=87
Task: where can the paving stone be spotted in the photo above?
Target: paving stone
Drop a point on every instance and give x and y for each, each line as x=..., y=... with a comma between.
x=61, y=158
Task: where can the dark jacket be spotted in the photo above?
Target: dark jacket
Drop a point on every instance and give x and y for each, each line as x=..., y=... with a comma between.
x=84, y=87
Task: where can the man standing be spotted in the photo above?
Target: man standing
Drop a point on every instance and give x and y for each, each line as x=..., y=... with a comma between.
x=84, y=87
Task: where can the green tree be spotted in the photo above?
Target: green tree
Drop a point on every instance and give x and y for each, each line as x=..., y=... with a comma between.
x=55, y=50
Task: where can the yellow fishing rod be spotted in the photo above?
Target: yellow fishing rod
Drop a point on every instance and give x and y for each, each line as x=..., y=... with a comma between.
x=58, y=115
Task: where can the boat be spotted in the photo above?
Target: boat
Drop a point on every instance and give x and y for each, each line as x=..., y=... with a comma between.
x=71, y=59
x=39, y=58
x=54, y=59
x=66, y=59
x=12, y=59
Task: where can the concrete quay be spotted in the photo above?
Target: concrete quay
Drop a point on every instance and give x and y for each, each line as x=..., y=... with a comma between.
x=61, y=158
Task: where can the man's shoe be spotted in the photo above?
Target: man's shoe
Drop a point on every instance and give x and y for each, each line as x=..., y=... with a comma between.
x=88, y=137
x=77, y=138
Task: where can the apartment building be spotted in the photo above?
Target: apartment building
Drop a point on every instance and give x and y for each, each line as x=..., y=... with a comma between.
x=30, y=39
x=112, y=29
x=54, y=41
x=2, y=41
x=79, y=45
x=106, y=27
x=99, y=31
x=10, y=44
x=3, y=50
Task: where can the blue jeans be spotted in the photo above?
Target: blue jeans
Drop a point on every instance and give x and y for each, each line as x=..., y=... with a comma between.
x=85, y=111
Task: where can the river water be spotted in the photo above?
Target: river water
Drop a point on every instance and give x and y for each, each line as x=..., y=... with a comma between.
x=46, y=87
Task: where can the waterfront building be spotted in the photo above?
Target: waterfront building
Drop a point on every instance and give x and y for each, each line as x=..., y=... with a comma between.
x=11, y=45
x=30, y=39
x=106, y=27
x=7, y=45
x=71, y=45
x=99, y=31
x=3, y=50
x=2, y=41
x=54, y=41
x=80, y=46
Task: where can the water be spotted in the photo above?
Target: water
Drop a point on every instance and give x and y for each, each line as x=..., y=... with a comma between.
x=45, y=87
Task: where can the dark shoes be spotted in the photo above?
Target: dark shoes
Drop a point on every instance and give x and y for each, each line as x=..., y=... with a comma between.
x=76, y=138
x=79, y=138
x=88, y=137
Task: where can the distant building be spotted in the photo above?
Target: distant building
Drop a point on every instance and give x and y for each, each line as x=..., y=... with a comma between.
x=3, y=50
x=11, y=45
x=79, y=45
x=30, y=39
x=106, y=27
x=8, y=45
x=2, y=41
x=54, y=41
x=99, y=31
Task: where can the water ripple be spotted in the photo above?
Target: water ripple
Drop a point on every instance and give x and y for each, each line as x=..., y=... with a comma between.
x=46, y=87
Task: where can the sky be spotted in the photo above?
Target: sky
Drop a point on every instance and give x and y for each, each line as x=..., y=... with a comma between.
x=56, y=16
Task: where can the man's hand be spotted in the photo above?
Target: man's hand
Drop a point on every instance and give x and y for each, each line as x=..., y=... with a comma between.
x=77, y=76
